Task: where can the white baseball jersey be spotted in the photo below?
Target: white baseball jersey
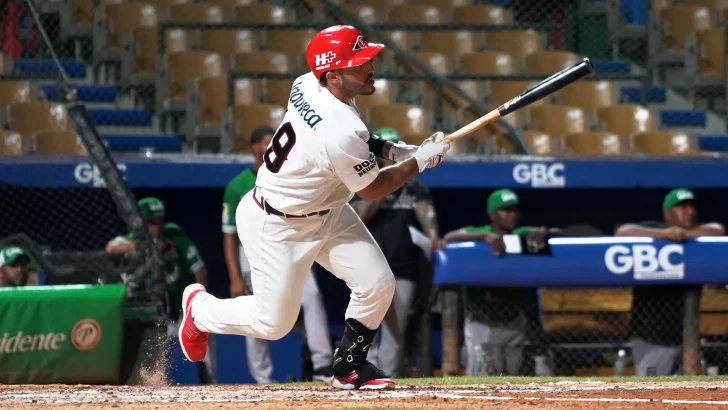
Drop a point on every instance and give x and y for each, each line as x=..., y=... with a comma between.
x=319, y=156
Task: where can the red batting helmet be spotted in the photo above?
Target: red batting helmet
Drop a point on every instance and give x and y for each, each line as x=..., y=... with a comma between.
x=339, y=47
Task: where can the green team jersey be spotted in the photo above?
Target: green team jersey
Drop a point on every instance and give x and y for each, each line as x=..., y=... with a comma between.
x=181, y=261
x=234, y=192
x=498, y=305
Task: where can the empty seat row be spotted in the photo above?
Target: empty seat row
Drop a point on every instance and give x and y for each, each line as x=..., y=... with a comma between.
x=13, y=143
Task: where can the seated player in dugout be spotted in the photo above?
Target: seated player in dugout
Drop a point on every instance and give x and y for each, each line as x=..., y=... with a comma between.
x=656, y=317
x=18, y=268
x=497, y=318
x=389, y=220
x=260, y=363
x=183, y=266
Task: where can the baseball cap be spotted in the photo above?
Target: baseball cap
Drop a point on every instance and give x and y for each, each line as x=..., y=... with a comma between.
x=677, y=196
x=151, y=207
x=10, y=254
x=387, y=134
x=501, y=198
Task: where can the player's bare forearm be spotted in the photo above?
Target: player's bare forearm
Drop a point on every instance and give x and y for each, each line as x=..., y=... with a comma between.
x=390, y=179
x=232, y=257
x=711, y=229
x=120, y=245
x=638, y=230
x=201, y=276
x=427, y=218
x=367, y=210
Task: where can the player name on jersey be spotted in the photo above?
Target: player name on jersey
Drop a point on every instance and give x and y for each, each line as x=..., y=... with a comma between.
x=308, y=114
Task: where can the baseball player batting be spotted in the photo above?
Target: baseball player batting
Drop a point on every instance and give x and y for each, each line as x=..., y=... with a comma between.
x=299, y=213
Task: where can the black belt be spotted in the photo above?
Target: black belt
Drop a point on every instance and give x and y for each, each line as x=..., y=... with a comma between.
x=264, y=205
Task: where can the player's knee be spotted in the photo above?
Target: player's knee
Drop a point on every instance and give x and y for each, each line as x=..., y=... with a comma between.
x=278, y=328
x=385, y=286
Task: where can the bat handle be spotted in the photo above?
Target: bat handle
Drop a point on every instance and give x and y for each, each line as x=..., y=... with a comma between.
x=473, y=126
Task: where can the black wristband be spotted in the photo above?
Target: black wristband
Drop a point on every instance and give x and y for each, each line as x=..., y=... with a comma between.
x=376, y=145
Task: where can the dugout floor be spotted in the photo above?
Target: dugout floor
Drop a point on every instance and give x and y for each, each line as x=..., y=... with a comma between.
x=550, y=395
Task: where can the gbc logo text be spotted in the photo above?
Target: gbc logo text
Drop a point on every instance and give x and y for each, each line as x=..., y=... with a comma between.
x=646, y=261
x=90, y=174
x=540, y=175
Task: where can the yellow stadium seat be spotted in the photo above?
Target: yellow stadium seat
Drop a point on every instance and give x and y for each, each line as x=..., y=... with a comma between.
x=29, y=118
x=213, y=97
x=539, y=142
x=663, y=143
x=518, y=43
x=550, y=62
x=126, y=17
x=449, y=43
x=82, y=12
x=11, y=143
x=592, y=143
x=445, y=5
x=288, y=42
x=414, y=14
x=711, y=53
x=196, y=13
x=557, y=120
x=680, y=20
x=589, y=95
x=411, y=121
x=488, y=62
x=261, y=61
x=383, y=95
x=187, y=66
x=625, y=119
x=364, y=12
x=229, y=4
x=227, y=42
x=144, y=48
x=15, y=91
x=480, y=14
x=245, y=118
x=58, y=143
x=263, y=14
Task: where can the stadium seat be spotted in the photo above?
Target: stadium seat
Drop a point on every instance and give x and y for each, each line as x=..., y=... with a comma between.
x=501, y=92
x=445, y=5
x=227, y=42
x=680, y=20
x=449, y=43
x=549, y=62
x=518, y=43
x=288, y=42
x=382, y=4
x=263, y=14
x=245, y=118
x=31, y=117
x=187, y=66
x=437, y=62
x=589, y=95
x=261, y=61
x=592, y=143
x=13, y=92
x=488, y=62
x=414, y=14
x=143, y=53
x=363, y=12
x=11, y=143
x=165, y=4
x=383, y=95
x=126, y=17
x=82, y=12
x=663, y=143
x=58, y=143
x=212, y=97
x=557, y=120
x=411, y=121
x=625, y=119
x=539, y=142
x=196, y=13
x=229, y=4
x=398, y=37
x=480, y=14
x=711, y=52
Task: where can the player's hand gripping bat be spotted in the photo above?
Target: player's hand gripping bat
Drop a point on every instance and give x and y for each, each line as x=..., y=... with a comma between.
x=535, y=93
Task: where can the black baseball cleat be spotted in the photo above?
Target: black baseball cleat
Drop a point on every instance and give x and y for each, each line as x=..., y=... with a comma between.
x=366, y=377
x=352, y=370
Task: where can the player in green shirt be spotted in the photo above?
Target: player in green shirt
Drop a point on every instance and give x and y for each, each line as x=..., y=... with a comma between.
x=260, y=364
x=496, y=318
x=183, y=265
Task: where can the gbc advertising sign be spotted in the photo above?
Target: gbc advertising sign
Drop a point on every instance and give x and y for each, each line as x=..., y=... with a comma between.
x=61, y=334
x=646, y=261
x=540, y=174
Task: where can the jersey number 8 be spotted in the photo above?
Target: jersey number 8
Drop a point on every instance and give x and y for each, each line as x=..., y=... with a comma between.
x=280, y=151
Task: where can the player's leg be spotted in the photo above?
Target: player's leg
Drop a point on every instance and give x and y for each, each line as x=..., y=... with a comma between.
x=257, y=351
x=653, y=360
x=260, y=365
x=281, y=252
x=484, y=348
x=317, y=330
x=391, y=345
x=352, y=255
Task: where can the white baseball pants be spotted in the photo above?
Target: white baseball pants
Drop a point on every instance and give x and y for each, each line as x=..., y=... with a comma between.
x=281, y=252
x=315, y=323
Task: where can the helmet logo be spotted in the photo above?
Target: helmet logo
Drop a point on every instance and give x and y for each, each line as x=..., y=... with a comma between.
x=360, y=43
x=324, y=60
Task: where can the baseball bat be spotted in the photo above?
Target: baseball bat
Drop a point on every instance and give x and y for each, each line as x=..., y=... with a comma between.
x=535, y=93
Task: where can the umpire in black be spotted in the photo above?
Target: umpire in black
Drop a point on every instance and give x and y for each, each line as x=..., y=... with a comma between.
x=391, y=221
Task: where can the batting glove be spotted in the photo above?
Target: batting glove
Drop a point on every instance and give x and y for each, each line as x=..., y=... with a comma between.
x=431, y=153
x=401, y=151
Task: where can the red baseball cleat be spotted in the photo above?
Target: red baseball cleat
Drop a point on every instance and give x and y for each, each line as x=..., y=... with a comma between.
x=192, y=340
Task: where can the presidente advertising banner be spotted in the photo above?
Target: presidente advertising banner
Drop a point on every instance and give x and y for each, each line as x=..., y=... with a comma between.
x=61, y=334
